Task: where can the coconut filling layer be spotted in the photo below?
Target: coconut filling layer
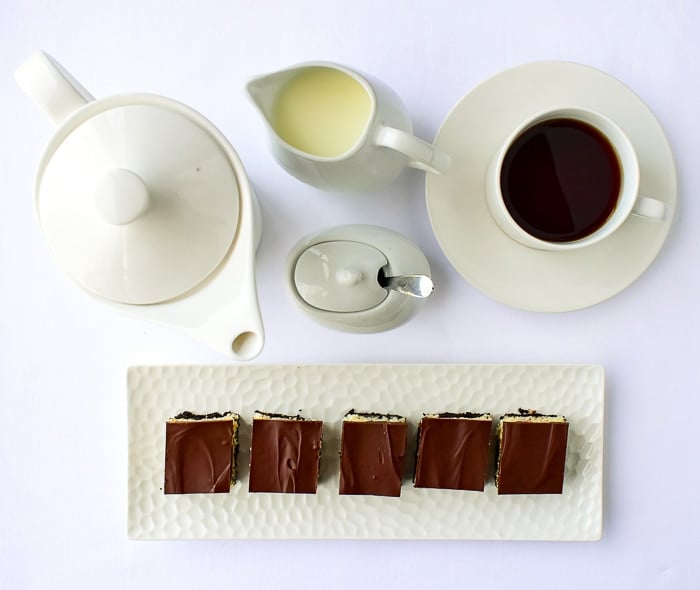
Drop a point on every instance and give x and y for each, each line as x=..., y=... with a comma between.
x=353, y=416
x=460, y=416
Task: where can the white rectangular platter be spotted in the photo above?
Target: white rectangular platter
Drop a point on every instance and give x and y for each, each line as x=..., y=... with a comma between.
x=326, y=392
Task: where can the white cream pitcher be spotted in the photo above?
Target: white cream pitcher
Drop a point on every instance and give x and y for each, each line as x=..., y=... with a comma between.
x=338, y=130
x=147, y=207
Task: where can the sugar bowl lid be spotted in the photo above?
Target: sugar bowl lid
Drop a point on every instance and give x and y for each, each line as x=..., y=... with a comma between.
x=340, y=276
x=137, y=195
x=358, y=278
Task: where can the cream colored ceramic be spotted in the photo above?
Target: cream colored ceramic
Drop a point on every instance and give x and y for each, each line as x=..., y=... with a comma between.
x=340, y=276
x=628, y=202
x=146, y=206
x=382, y=148
x=482, y=253
x=326, y=392
x=334, y=277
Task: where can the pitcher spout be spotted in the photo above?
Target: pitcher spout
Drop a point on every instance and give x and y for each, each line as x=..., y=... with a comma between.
x=263, y=91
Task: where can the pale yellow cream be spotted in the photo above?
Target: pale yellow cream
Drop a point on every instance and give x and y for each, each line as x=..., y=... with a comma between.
x=322, y=111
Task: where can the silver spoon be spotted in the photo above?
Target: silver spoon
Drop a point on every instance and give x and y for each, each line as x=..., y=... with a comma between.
x=414, y=285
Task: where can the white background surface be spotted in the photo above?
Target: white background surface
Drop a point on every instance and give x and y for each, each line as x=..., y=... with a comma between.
x=64, y=357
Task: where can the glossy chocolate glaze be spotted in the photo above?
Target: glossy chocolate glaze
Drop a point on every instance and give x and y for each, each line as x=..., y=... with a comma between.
x=453, y=452
x=199, y=455
x=285, y=454
x=532, y=457
x=372, y=457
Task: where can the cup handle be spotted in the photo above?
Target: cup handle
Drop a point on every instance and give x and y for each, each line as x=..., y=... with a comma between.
x=649, y=208
x=51, y=87
x=420, y=154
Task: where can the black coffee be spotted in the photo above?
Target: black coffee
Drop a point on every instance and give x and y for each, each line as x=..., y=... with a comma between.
x=560, y=180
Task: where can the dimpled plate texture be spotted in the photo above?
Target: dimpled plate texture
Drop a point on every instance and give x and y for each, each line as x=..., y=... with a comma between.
x=326, y=392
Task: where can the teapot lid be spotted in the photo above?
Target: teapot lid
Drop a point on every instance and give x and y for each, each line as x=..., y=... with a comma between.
x=138, y=198
x=340, y=276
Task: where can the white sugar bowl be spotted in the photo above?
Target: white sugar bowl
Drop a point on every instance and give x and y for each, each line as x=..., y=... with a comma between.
x=358, y=278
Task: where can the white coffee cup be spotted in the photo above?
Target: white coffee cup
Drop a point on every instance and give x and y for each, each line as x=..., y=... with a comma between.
x=628, y=202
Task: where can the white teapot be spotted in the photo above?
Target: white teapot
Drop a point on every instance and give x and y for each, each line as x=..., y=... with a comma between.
x=146, y=206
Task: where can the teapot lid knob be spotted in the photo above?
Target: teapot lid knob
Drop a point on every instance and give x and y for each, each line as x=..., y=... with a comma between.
x=121, y=197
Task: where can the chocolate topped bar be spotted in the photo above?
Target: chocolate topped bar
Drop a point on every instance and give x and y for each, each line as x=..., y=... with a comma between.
x=531, y=453
x=285, y=452
x=453, y=451
x=200, y=453
x=373, y=448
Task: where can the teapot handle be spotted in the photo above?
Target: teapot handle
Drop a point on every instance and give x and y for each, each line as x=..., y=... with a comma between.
x=51, y=87
x=421, y=154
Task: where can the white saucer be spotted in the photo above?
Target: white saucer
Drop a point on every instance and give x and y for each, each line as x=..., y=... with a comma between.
x=500, y=267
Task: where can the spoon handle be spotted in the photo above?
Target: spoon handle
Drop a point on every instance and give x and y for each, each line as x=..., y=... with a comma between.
x=413, y=285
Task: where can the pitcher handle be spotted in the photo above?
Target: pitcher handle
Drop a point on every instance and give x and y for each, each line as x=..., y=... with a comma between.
x=51, y=87
x=420, y=154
